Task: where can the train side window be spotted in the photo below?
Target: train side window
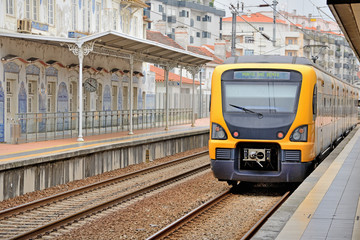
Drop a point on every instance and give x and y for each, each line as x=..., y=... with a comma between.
x=314, y=102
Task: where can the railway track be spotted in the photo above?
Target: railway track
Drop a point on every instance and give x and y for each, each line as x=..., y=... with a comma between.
x=184, y=224
x=43, y=216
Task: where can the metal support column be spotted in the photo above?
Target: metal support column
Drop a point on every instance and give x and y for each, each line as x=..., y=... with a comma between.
x=81, y=49
x=81, y=57
x=193, y=70
x=131, y=94
x=166, y=68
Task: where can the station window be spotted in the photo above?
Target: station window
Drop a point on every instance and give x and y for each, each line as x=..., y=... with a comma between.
x=8, y=105
x=10, y=7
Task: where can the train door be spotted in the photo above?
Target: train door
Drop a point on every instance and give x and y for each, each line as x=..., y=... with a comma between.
x=320, y=118
x=333, y=129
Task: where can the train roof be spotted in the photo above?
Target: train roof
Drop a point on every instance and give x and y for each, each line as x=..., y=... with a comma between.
x=269, y=59
x=278, y=59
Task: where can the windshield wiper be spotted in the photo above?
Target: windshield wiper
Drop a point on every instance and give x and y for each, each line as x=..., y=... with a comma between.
x=248, y=111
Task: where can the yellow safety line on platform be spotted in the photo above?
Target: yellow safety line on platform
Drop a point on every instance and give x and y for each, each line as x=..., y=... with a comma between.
x=298, y=222
x=67, y=149
x=356, y=230
x=72, y=143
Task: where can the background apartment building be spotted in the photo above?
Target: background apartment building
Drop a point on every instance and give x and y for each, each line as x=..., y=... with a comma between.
x=187, y=22
x=40, y=77
x=315, y=39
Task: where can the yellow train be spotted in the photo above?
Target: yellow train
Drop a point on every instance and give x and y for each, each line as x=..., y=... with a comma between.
x=273, y=117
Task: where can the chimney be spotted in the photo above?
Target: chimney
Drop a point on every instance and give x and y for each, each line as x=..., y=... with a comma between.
x=182, y=36
x=220, y=49
x=160, y=26
x=294, y=12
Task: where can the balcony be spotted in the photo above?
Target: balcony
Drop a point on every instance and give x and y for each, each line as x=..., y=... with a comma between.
x=339, y=42
x=309, y=36
x=292, y=47
x=171, y=19
x=292, y=34
x=324, y=39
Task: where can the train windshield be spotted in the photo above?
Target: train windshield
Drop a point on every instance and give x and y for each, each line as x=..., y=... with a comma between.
x=269, y=96
x=265, y=97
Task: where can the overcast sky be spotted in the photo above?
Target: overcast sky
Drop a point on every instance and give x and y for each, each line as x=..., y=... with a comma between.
x=303, y=7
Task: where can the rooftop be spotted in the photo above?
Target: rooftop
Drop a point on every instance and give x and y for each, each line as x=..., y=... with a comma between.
x=160, y=76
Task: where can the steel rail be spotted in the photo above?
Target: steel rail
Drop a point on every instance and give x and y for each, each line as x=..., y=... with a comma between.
x=188, y=217
x=34, y=233
x=37, y=203
x=264, y=218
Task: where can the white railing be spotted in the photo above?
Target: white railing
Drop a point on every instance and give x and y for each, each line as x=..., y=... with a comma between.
x=48, y=126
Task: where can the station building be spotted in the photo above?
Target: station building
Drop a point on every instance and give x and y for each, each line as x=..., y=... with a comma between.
x=54, y=53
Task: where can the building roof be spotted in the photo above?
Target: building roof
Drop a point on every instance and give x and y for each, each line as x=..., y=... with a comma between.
x=205, y=52
x=161, y=38
x=212, y=47
x=254, y=17
x=347, y=14
x=145, y=50
x=160, y=76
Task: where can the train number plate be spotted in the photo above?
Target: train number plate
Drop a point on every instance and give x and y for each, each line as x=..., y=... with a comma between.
x=258, y=155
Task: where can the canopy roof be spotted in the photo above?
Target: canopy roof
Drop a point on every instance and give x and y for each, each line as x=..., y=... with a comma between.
x=347, y=15
x=119, y=44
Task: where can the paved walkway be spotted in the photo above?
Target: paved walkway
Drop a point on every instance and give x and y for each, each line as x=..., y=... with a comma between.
x=15, y=151
x=327, y=204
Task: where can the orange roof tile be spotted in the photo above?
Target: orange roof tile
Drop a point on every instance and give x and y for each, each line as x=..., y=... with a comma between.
x=160, y=76
x=212, y=47
x=205, y=52
x=161, y=38
x=254, y=17
x=311, y=28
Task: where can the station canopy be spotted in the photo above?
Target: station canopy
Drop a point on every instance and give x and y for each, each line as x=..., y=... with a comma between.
x=347, y=15
x=121, y=45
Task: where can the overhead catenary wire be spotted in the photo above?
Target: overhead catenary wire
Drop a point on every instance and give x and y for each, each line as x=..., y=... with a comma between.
x=257, y=30
x=319, y=9
x=299, y=28
x=195, y=28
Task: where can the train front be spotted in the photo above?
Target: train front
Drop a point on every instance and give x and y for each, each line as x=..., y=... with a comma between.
x=262, y=125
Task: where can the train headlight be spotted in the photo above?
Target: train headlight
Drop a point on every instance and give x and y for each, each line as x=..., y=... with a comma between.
x=299, y=134
x=218, y=132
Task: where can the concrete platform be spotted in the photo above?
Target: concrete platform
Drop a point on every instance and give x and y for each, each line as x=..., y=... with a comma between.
x=34, y=166
x=326, y=205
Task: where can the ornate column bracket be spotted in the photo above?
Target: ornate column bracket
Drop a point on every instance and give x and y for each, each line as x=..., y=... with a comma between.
x=81, y=49
x=194, y=69
x=168, y=66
